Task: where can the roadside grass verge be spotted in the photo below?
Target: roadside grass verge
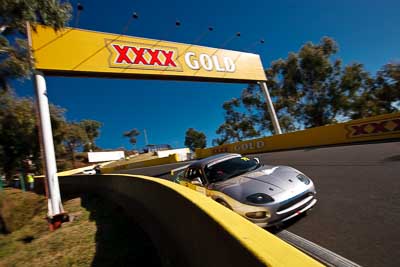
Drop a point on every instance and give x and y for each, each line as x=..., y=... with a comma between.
x=97, y=235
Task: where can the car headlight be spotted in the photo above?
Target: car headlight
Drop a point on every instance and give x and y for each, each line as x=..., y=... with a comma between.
x=258, y=215
x=303, y=178
x=260, y=198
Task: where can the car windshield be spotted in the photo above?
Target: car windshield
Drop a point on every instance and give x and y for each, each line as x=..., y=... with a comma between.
x=230, y=168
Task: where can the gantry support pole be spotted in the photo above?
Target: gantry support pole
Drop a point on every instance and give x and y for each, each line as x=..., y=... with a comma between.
x=270, y=106
x=56, y=213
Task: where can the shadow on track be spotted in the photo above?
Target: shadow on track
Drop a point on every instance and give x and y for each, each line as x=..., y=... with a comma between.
x=119, y=240
x=392, y=158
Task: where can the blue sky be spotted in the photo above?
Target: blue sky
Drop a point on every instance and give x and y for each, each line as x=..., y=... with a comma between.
x=367, y=32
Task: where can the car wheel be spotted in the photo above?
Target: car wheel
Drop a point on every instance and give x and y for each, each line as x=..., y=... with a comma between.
x=223, y=203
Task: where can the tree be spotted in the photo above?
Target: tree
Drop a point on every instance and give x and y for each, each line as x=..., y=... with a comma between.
x=19, y=132
x=237, y=125
x=15, y=63
x=379, y=95
x=195, y=139
x=91, y=128
x=17, y=129
x=75, y=137
x=19, y=139
x=310, y=85
x=311, y=88
x=58, y=125
x=132, y=135
x=14, y=56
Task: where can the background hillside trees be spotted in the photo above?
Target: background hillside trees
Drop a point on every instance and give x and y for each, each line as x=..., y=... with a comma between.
x=131, y=135
x=18, y=131
x=92, y=130
x=74, y=137
x=19, y=140
x=311, y=88
x=195, y=139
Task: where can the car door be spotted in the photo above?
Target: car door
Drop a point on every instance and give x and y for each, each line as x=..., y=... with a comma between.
x=191, y=178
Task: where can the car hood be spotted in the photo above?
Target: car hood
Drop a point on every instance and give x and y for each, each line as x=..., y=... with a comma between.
x=282, y=177
x=270, y=180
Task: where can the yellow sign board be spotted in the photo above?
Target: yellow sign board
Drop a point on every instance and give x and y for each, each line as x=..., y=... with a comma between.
x=76, y=52
x=382, y=127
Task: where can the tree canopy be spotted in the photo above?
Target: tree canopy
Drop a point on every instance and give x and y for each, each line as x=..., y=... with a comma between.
x=311, y=88
x=18, y=128
x=132, y=134
x=19, y=133
x=14, y=56
x=75, y=137
x=195, y=139
x=19, y=140
x=91, y=128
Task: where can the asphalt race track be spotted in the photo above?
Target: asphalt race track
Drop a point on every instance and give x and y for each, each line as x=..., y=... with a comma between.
x=358, y=211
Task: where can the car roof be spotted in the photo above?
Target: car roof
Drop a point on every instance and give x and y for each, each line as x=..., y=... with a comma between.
x=202, y=162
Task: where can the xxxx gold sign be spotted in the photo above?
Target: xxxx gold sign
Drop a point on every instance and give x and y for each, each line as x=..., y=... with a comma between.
x=79, y=52
x=378, y=127
x=142, y=56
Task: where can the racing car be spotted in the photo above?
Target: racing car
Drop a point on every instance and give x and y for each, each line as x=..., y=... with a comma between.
x=264, y=194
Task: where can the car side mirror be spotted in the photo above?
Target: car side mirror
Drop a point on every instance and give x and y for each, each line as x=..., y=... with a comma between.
x=197, y=181
x=258, y=160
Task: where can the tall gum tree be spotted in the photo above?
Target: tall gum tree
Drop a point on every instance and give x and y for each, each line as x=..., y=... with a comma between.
x=311, y=88
x=14, y=14
x=18, y=132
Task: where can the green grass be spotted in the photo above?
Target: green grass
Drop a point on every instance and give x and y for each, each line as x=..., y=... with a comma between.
x=30, y=242
x=17, y=208
x=98, y=235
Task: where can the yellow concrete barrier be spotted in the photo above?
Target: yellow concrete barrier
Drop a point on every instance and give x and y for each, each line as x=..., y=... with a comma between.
x=381, y=127
x=71, y=172
x=75, y=171
x=187, y=228
x=146, y=163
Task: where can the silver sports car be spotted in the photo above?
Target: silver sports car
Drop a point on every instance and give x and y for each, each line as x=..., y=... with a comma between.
x=264, y=194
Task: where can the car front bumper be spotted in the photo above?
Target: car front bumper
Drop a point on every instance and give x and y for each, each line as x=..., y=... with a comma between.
x=278, y=216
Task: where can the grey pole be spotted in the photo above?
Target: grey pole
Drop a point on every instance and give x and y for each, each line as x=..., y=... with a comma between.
x=54, y=198
x=270, y=106
x=145, y=137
